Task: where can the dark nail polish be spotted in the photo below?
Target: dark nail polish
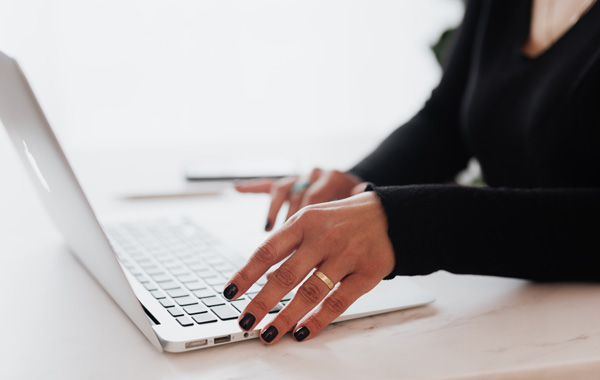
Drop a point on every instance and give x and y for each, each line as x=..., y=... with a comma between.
x=230, y=291
x=247, y=321
x=268, y=225
x=301, y=333
x=270, y=334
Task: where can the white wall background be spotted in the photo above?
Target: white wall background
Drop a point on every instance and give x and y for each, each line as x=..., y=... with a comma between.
x=155, y=73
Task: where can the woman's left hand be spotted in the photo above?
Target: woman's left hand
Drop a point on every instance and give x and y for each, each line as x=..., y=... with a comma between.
x=346, y=240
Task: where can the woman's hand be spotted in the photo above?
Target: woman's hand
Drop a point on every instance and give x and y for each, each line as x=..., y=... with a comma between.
x=320, y=186
x=345, y=240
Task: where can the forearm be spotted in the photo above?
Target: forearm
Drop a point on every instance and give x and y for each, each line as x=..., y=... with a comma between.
x=422, y=151
x=539, y=234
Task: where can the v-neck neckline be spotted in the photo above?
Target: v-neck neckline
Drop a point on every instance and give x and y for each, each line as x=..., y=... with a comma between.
x=560, y=40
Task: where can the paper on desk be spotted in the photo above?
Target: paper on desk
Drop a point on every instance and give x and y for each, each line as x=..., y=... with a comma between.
x=176, y=191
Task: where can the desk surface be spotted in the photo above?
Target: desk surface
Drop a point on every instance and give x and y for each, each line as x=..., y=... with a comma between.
x=58, y=323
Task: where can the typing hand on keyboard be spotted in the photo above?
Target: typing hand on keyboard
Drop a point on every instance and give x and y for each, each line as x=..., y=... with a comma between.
x=346, y=241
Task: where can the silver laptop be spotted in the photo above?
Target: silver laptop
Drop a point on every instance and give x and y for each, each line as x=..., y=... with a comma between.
x=166, y=275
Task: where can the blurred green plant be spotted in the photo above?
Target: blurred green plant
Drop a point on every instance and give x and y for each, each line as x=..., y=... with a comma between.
x=443, y=46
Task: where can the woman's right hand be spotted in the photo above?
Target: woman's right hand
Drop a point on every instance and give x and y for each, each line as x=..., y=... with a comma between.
x=300, y=191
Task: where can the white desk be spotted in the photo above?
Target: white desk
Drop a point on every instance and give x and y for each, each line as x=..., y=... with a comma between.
x=57, y=323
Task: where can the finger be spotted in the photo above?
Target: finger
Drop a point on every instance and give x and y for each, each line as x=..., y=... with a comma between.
x=308, y=296
x=315, y=174
x=280, y=283
x=336, y=185
x=298, y=194
x=280, y=191
x=277, y=247
x=262, y=185
x=268, y=274
x=294, y=204
x=297, y=197
x=349, y=290
x=320, y=191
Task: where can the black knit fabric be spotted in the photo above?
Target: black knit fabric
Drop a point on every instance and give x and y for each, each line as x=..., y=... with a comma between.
x=534, y=126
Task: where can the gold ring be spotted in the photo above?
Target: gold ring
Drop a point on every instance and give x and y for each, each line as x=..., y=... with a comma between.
x=325, y=279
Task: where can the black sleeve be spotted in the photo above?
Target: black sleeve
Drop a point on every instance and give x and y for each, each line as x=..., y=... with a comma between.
x=538, y=234
x=429, y=148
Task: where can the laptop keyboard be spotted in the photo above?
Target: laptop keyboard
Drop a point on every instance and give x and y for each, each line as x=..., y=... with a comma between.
x=183, y=267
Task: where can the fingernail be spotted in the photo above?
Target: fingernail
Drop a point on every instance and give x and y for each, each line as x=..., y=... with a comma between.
x=301, y=333
x=247, y=321
x=230, y=291
x=268, y=225
x=270, y=334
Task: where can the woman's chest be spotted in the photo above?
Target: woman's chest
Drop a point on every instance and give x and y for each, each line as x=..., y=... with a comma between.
x=537, y=119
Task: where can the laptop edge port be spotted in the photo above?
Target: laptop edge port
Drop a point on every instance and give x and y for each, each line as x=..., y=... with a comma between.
x=196, y=343
x=223, y=339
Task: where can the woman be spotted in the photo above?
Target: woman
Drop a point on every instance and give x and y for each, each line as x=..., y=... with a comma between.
x=521, y=93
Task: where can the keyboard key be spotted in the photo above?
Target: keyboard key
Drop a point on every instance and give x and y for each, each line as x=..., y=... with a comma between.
x=187, y=278
x=184, y=254
x=276, y=309
x=206, y=272
x=155, y=250
x=225, y=312
x=214, y=259
x=213, y=301
x=223, y=266
x=158, y=294
x=188, y=258
x=195, y=309
x=175, y=311
x=136, y=254
x=161, y=277
x=141, y=278
x=155, y=271
x=150, y=286
x=203, y=252
x=169, y=285
x=228, y=273
x=185, y=301
x=240, y=304
x=198, y=266
x=175, y=293
x=169, y=263
x=167, y=302
x=185, y=321
x=178, y=270
x=215, y=280
x=203, y=293
x=219, y=288
x=204, y=318
x=194, y=285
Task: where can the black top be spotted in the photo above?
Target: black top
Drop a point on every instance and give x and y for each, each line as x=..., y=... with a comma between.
x=534, y=126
